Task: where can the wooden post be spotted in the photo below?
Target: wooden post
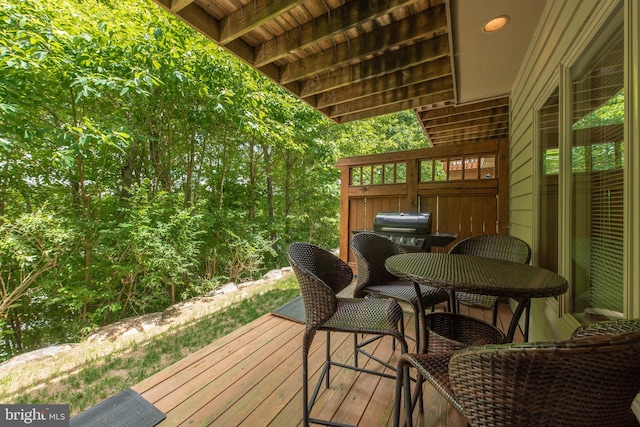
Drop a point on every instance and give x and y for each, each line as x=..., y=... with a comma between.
x=410, y=202
x=344, y=213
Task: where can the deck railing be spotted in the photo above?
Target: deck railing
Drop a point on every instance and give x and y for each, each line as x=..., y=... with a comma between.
x=465, y=187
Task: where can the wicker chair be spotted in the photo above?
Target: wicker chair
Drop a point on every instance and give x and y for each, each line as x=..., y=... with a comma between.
x=589, y=380
x=371, y=251
x=321, y=276
x=496, y=246
x=607, y=327
x=445, y=334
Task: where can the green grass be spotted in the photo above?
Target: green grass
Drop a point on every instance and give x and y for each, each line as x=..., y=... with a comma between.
x=105, y=375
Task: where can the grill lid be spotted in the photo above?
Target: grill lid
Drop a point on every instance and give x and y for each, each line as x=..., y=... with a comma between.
x=403, y=223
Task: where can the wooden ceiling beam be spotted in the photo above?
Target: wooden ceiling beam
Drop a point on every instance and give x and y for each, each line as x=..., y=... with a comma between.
x=494, y=122
x=256, y=13
x=427, y=113
x=196, y=17
x=462, y=119
x=406, y=104
x=178, y=5
x=421, y=53
x=474, y=115
x=471, y=130
x=342, y=19
x=353, y=59
x=465, y=124
x=471, y=122
x=466, y=139
x=407, y=30
x=361, y=88
x=393, y=96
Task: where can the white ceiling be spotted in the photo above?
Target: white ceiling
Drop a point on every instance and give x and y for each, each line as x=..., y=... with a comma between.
x=486, y=64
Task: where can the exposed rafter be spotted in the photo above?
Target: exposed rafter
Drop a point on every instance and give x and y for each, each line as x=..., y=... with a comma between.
x=469, y=123
x=351, y=59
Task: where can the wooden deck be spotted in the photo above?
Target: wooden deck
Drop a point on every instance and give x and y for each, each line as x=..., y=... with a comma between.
x=252, y=377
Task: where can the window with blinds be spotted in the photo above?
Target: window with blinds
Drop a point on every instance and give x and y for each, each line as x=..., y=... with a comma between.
x=597, y=186
x=548, y=167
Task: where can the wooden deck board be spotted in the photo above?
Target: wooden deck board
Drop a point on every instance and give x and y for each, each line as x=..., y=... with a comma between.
x=252, y=377
x=244, y=376
x=191, y=378
x=218, y=382
x=200, y=356
x=277, y=375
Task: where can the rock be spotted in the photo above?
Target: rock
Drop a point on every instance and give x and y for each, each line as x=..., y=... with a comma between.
x=229, y=288
x=275, y=274
x=43, y=353
x=126, y=327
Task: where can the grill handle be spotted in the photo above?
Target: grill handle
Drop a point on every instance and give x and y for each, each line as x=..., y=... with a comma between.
x=398, y=230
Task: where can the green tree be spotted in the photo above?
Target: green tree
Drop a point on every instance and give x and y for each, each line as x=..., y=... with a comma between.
x=174, y=166
x=30, y=248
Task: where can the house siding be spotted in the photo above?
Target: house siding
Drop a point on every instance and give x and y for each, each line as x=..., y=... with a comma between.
x=562, y=33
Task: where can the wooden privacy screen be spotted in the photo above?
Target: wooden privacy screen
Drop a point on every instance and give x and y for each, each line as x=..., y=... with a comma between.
x=465, y=187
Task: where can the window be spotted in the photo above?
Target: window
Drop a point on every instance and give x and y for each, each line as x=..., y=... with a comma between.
x=458, y=168
x=548, y=167
x=390, y=173
x=597, y=166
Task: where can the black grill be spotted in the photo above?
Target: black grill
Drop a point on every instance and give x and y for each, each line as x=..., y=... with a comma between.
x=412, y=230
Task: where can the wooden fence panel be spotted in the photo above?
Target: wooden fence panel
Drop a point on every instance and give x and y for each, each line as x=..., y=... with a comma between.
x=465, y=216
x=380, y=204
x=357, y=220
x=469, y=207
x=490, y=215
x=452, y=218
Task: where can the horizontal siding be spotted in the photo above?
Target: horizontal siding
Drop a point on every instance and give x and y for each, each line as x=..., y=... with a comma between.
x=560, y=29
x=524, y=136
x=522, y=168
x=524, y=233
x=522, y=189
x=521, y=203
x=558, y=40
x=524, y=221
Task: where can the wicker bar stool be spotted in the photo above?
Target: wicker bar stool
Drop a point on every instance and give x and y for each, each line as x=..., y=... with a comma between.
x=321, y=276
x=607, y=327
x=496, y=246
x=445, y=333
x=371, y=251
x=449, y=332
x=588, y=380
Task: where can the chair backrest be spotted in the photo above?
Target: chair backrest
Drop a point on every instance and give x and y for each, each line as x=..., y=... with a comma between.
x=371, y=251
x=496, y=246
x=581, y=382
x=321, y=276
x=607, y=327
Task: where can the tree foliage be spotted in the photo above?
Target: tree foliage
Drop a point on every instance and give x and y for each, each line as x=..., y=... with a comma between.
x=148, y=166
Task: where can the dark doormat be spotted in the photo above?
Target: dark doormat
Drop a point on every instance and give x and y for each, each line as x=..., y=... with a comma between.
x=293, y=310
x=125, y=409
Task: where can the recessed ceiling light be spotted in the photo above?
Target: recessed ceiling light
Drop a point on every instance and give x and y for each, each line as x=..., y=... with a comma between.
x=495, y=24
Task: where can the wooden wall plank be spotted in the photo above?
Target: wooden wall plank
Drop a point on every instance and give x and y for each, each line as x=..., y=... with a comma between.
x=465, y=216
x=468, y=207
